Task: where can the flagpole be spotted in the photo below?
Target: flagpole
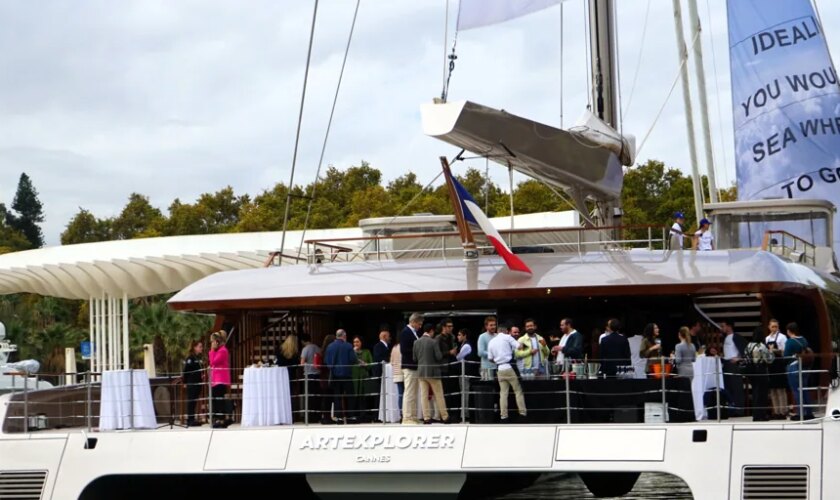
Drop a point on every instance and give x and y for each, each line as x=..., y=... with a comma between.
x=467, y=240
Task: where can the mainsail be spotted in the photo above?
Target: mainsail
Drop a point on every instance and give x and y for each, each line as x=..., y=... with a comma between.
x=786, y=103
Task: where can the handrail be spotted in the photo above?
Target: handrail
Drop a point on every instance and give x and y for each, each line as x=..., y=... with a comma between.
x=501, y=231
x=768, y=244
x=565, y=390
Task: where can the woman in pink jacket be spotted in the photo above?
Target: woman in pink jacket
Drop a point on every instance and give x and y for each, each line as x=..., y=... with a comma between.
x=219, y=378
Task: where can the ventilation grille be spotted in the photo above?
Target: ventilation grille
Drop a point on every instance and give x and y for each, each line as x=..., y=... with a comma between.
x=776, y=483
x=25, y=485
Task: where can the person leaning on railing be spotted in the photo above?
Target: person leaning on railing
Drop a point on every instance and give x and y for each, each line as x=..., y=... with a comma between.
x=193, y=377
x=311, y=372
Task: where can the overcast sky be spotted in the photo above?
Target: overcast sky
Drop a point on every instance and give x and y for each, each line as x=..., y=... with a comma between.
x=174, y=98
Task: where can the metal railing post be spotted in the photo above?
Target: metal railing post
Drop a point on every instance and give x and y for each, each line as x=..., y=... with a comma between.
x=210, y=397
x=717, y=387
x=801, y=391
x=131, y=395
x=383, y=386
x=305, y=396
x=463, y=392
x=664, y=402
x=568, y=396
x=88, y=417
x=650, y=238
x=25, y=403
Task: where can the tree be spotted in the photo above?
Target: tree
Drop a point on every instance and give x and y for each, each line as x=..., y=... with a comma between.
x=137, y=219
x=653, y=193
x=85, y=228
x=29, y=212
x=11, y=240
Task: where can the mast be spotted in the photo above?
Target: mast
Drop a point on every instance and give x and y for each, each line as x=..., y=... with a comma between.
x=694, y=21
x=604, y=74
x=604, y=87
x=682, y=51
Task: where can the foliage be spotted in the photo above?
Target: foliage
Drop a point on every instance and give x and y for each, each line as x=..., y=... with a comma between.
x=29, y=212
x=43, y=326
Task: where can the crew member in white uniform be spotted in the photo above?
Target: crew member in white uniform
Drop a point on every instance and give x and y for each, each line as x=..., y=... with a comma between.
x=676, y=232
x=703, y=239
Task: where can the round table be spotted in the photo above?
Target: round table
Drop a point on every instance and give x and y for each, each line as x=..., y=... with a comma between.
x=266, y=398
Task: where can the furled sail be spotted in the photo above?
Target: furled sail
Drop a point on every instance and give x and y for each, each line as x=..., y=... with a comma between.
x=786, y=103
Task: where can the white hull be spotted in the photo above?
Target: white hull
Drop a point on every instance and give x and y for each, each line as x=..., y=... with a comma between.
x=399, y=459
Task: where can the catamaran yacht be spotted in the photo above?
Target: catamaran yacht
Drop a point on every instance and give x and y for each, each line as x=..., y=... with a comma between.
x=773, y=259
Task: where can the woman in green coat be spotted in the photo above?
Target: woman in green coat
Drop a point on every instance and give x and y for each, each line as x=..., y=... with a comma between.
x=362, y=383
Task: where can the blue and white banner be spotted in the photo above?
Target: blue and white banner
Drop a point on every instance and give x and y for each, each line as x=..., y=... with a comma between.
x=786, y=102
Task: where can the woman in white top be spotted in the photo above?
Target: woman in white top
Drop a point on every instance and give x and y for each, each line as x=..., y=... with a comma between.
x=636, y=360
x=778, y=387
x=703, y=239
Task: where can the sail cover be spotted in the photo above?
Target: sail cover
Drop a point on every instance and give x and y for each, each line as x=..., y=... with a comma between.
x=786, y=103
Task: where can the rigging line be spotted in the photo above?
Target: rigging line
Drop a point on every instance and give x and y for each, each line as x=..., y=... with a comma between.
x=617, y=65
x=587, y=61
x=717, y=99
x=329, y=126
x=668, y=97
x=562, y=53
x=445, y=43
x=639, y=61
x=297, y=133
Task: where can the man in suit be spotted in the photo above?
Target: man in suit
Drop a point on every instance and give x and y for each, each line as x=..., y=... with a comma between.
x=615, y=350
x=429, y=357
x=573, y=349
x=381, y=354
x=733, y=379
x=449, y=371
x=340, y=358
x=381, y=351
x=408, y=336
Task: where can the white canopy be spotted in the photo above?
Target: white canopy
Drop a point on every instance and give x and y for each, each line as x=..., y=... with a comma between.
x=142, y=267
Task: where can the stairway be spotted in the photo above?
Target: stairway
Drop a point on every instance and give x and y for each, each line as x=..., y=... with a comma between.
x=742, y=309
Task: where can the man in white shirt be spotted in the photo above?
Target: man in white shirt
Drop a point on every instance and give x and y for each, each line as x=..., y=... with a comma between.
x=677, y=231
x=703, y=239
x=733, y=380
x=778, y=386
x=501, y=352
x=488, y=368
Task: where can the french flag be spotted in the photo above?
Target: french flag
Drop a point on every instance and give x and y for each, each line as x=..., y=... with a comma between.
x=474, y=214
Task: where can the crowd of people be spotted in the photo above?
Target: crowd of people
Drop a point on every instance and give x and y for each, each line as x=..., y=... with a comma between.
x=344, y=377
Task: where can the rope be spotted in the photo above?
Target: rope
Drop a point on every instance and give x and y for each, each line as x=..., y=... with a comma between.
x=297, y=133
x=717, y=101
x=668, y=97
x=639, y=61
x=329, y=125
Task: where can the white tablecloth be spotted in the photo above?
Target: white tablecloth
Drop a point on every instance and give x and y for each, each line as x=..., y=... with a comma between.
x=115, y=409
x=265, y=397
x=704, y=380
x=390, y=406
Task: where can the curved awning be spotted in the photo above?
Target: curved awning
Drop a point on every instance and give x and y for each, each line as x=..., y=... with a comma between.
x=142, y=267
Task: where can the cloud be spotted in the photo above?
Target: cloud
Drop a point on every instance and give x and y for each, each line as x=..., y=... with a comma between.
x=171, y=99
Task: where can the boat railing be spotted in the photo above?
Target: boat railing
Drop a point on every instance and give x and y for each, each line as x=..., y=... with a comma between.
x=789, y=246
x=576, y=391
x=448, y=244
